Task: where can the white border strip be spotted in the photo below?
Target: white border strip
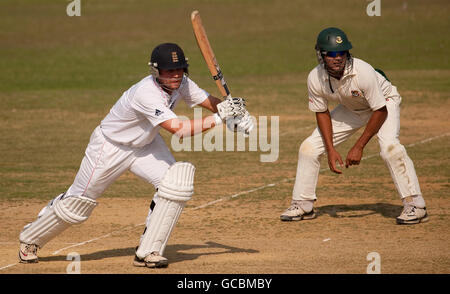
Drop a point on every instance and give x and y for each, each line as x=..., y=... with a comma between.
x=222, y=199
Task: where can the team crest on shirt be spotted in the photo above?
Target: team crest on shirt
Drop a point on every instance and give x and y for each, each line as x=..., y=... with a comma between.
x=158, y=112
x=356, y=93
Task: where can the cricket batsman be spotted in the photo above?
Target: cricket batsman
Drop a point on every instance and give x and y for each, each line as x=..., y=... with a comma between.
x=128, y=139
x=366, y=98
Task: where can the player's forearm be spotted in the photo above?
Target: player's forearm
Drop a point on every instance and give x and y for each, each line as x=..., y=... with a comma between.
x=211, y=103
x=324, y=124
x=192, y=127
x=373, y=126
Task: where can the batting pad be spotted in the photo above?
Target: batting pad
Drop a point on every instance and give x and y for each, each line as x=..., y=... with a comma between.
x=176, y=188
x=56, y=217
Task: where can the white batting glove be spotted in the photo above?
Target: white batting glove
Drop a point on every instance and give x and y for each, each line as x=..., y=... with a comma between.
x=230, y=108
x=243, y=124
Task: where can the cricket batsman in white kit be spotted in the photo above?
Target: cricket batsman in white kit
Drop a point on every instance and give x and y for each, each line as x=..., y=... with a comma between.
x=128, y=139
x=366, y=98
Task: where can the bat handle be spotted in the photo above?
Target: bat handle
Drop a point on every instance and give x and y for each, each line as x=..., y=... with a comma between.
x=227, y=91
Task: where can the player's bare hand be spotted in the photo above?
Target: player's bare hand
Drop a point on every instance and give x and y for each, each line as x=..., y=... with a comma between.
x=354, y=156
x=333, y=157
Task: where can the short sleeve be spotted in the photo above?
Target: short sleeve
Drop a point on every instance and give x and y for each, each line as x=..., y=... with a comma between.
x=317, y=103
x=192, y=93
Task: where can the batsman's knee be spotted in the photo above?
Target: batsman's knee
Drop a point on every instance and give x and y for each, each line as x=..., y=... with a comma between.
x=58, y=215
x=178, y=182
x=75, y=209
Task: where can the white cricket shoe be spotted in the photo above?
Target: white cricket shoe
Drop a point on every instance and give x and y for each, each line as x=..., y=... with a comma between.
x=139, y=262
x=28, y=253
x=295, y=212
x=153, y=260
x=412, y=215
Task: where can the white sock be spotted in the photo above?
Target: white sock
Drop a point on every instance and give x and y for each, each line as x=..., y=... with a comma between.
x=307, y=205
x=416, y=200
x=419, y=201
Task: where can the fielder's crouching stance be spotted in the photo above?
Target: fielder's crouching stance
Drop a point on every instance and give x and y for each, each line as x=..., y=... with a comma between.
x=366, y=98
x=128, y=139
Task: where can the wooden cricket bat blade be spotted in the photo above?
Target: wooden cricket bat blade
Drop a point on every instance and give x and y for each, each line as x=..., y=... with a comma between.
x=208, y=54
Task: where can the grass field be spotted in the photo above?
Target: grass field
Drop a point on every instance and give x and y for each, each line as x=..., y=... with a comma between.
x=60, y=75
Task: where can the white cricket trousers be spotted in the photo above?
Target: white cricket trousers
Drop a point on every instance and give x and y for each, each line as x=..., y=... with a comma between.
x=345, y=123
x=105, y=161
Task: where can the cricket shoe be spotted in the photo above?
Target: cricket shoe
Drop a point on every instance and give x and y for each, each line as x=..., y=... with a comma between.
x=153, y=260
x=139, y=262
x=28, y=253
x=296, y=213
x=412, y=215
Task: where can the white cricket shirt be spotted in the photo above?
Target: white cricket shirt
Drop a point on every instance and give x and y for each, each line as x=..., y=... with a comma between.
x=361, y=89
x=134, y=119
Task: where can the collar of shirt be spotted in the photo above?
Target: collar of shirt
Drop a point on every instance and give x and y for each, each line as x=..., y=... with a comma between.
x=169, y=98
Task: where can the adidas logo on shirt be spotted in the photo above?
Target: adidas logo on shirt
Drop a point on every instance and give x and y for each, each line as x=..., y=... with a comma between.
x=158, y=112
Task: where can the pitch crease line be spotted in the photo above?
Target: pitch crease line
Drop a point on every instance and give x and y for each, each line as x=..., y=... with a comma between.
x=97, y=238
x=7, y=266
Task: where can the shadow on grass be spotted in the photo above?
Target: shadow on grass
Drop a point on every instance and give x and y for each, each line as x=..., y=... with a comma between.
x=360, y=210
x=172, y=252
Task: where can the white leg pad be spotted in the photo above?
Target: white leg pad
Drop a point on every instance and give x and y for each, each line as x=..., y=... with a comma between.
x=75, y=209
x=56, y=217
x=176, y=188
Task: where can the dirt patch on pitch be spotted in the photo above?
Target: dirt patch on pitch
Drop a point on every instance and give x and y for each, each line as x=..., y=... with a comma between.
x=243, y=236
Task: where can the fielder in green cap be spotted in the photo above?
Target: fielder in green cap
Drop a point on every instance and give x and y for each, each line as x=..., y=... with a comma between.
x=366, y=99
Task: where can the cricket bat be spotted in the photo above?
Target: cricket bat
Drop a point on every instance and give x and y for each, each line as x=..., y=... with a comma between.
x=208, y=54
